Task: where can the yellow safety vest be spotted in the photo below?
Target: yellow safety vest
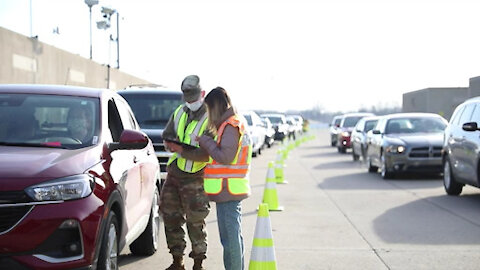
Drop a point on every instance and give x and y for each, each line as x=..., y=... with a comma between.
x=185, y=134
x=235, y=173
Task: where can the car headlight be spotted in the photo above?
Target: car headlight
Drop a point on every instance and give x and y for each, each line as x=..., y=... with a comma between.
x=396, y=149
x=62, y=189
x=346, y=134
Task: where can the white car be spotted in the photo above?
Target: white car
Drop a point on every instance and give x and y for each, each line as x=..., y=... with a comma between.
x=299, y=122
x=270, y=135
x=295, y=126
x=256, y=129
x=279, y=123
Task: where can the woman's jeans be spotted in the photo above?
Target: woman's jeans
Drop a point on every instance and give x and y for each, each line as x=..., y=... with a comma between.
x=229, y=216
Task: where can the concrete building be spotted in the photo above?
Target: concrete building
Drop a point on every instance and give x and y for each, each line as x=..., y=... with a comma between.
x=442, y=101
x=27, y=60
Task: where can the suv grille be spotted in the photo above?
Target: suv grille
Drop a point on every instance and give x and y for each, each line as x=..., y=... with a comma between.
x=426, y=152
x=10, y=216
x=10, y=197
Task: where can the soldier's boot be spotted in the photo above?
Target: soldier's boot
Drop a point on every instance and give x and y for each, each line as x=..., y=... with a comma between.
x=197, y=264
x=177, y=263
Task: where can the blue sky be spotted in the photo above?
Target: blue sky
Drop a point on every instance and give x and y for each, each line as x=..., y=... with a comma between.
x=276, y=55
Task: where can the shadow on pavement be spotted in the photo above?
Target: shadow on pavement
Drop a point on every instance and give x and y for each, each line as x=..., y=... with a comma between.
x=126, y=259
x=324, y=154
x=338, y=164
x=373, y=181
x=425, y=221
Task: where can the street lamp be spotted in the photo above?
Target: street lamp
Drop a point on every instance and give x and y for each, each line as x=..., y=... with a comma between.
x=90, y=4
x=105, y=24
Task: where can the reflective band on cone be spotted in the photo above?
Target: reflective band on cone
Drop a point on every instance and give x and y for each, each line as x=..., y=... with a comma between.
x=270, y=196
x=279, y=158
x=279, y=177
x=263, y=253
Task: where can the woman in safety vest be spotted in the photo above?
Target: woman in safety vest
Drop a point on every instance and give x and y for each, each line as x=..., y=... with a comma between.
x=226, y=175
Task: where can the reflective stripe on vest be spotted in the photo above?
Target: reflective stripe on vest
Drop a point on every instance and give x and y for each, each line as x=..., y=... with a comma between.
x=236, y=173
x=185, y=134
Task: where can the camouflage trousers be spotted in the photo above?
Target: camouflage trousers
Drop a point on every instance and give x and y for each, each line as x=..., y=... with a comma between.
x=183, y=200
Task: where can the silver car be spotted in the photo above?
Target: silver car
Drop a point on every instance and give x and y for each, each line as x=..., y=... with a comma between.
x=359, y=137
x=406, y=142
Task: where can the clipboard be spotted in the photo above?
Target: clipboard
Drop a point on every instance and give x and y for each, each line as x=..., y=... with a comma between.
x=184, y=145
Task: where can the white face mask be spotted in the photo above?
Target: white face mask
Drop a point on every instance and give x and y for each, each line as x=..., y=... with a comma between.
x=195, y=105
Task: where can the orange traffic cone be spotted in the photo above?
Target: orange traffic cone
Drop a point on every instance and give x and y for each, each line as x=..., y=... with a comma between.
x=270, y=196
x=263, y=253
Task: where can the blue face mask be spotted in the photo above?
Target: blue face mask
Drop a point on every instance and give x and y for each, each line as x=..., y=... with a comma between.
x=194, y=106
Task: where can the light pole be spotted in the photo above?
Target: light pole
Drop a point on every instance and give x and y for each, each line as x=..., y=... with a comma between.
x=105, y=24
x=90, y=4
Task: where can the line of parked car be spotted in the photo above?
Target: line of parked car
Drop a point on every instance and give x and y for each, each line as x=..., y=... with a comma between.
x=81, y=171
x=264, y=129
x=415, y=142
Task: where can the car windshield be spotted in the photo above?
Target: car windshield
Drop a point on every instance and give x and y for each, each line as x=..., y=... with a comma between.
x=248, y=118
x=48, y=120
x=369, y=125
x=415, y=125
x=351, y=121
x=275, y=119
x=153, y=110
x=337, y=121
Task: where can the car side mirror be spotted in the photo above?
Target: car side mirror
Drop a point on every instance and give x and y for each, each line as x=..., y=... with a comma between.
x=130, y=139
x=471, y=126
x=337, y=125
x=376, y=132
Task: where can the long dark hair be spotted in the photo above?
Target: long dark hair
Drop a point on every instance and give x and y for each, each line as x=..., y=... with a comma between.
x=218, y=103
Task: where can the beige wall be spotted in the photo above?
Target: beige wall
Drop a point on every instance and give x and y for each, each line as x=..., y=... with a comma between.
x=26, y=60
x=435, y=100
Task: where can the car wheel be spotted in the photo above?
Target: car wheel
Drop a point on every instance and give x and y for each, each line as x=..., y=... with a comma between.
x=364, y=154
x=260, y=150
x=452, y=187
x=147, y=243
x=386, y=174
x=371, y=168
x=333, y=141
x=108, y=257
x=354, y=155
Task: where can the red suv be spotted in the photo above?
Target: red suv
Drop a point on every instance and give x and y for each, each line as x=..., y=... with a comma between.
x=78, y=179
x=345, y=129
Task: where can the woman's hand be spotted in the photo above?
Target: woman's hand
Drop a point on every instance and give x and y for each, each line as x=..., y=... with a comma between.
x=173, y=147
x=176, y=148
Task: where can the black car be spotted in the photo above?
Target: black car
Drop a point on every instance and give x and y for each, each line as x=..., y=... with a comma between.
x=406, y=142
x=153, y=105
x=461, y=148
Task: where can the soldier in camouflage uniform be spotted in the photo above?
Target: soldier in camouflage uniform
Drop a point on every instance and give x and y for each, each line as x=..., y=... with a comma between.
x=183, y=199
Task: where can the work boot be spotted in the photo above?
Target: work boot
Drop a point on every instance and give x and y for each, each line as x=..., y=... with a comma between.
x=177, y=263
x=197, y=264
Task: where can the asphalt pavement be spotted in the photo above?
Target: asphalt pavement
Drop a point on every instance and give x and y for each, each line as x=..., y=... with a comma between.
x=338, y=216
